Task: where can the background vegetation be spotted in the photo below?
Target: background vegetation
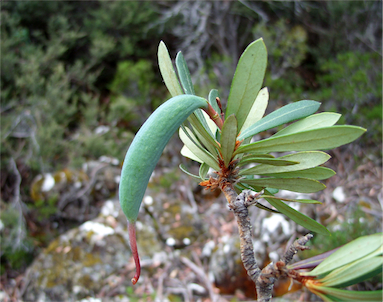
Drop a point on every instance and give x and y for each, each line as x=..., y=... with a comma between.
x=79, y=78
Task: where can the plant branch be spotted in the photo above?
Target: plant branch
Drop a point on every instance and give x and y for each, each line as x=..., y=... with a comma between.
x=264, y=279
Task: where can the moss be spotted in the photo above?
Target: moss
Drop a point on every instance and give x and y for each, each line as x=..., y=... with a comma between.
x=90, y=260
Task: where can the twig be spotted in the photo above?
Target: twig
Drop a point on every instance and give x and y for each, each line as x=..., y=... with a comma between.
x=265, y=279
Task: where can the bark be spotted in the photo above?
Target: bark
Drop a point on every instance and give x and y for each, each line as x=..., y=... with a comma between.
x=263, y=279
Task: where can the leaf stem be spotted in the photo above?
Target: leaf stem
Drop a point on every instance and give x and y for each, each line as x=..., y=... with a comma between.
x=214, y=115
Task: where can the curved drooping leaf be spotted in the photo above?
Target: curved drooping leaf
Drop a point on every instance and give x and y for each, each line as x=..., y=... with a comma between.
x=310, y=140
x=247, y=81
x=228, y=138
x=315, y=121
x=348, y=253
x=184, y=74
x=302, y=185
x=143, y=155
x=305, y=159
x=199, y=152
x=288, y=113
x=298, y=217
x=318, y=173
x=213, y=95
x=183, y=169
x=167, y=71
x=258, y=109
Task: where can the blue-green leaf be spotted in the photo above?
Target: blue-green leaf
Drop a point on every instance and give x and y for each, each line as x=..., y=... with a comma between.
x=315, y=121
x=281, y=116
x=184, y=74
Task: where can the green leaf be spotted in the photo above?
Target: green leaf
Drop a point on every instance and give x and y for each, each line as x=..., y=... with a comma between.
x=310, y=140
x=306, y=160
x=354, y=273
x=315, y=121
x=258, y=109
x=187, y=153
x=198, y=151
x=184, y=74
x=302, y=185
x=247, y=81
x=262, y=160
x=203, y=135
x=298, y=217
x=183, y=169
x=309, y=201
x=203, y=169
x=281, y=116
x=348, y=253
x=228, y=138
x=167, y=71
x=335, y=294
x=318, y=173
x=212, y=100
x=262, y=207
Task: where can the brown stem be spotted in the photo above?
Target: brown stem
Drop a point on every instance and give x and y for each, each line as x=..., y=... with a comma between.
x=265, y=279
x=239, y=204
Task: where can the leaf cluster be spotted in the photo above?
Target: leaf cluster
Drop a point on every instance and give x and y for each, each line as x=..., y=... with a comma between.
x=258, y=163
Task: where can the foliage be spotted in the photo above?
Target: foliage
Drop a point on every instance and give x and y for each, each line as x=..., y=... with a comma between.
x=16, y=252
x=56, y=70
x=350, y=264
x=224, y=144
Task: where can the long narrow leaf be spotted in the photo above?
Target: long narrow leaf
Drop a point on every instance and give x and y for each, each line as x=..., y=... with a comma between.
x=203, y=135
x=302, y=185
x=298, y=217
x=310, y=140
x=268, y=161
x=228, y=138
x=348, y=253
x=309, y=201
x=183, y=169
x=190, y=142
x=247, y=81
x=318, y=173
x=354, y=273
x=258, y=109
x=306, y=160
x=315, y=121
x=348, y=295
x=184, y=74
x=167, y=71
x=281, y=116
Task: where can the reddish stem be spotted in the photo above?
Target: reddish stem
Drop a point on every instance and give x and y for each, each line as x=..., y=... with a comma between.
x=133, y=247
x=214, y=115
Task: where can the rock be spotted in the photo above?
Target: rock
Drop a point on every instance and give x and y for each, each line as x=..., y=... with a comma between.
x=76, y=264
